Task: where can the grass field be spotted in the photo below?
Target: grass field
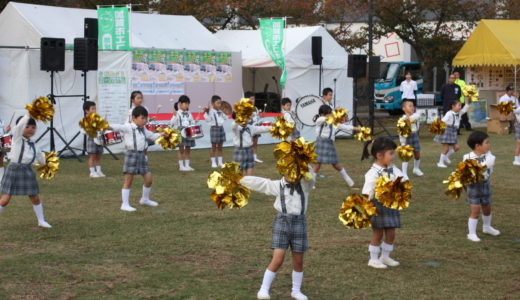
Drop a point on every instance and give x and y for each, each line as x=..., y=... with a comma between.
x=188, y=249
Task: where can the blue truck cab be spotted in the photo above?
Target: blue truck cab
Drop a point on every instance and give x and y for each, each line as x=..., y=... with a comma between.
x=387, y=95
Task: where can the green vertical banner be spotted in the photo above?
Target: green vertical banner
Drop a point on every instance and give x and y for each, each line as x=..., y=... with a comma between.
x=272, y=31
x=114, y=28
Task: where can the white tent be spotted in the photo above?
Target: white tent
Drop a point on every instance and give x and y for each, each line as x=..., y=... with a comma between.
x=22, y=27
x=302, y=75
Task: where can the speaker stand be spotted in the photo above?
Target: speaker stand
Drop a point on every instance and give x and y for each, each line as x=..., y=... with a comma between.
x=68, y=144
x=321, y=71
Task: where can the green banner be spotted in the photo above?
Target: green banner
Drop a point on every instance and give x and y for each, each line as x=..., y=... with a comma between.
x=114, y=28
x=272, y=37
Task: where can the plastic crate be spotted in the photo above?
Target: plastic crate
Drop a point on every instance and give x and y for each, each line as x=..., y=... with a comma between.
x=425, y=100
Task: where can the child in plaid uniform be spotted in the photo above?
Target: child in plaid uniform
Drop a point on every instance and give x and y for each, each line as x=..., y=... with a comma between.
x=449, y=138
x=254, y=121
x=413, y=139
x=19, y=178
x=136, y=139
x=243, y=141
x=182, y=119
x=325, y=147
x=288, y=115
x=94, y=146
x=289, y=227
x=3, y=130
x=216, y=118
x=479, y=194
x=387, y=219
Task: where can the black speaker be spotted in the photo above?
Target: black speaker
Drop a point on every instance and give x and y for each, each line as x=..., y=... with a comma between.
x=316, y=50
x=357, y=66
x=91, y=28
x=52, y=54
x=373, y=67
x=85, y=54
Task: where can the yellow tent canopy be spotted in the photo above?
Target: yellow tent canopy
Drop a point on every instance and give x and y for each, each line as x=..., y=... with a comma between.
x=492, y=43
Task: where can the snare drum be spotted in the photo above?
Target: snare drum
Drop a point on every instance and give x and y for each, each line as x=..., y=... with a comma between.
x=151, y=127
x=267, y=124
x=6, y=143
x=112, y=137
x=307, y=108
x=192, y=132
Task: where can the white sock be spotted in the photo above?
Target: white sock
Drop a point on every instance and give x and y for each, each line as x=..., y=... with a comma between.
x=386, y=249
x=517, y=158
x=416, y=164
x=268, y=279
x=181, y=163
x=2, y=170
x=92, y=170
x=125, y=193
x=374, y=251
x=146, y=192
x=450, y=152
x=472, y=226
x=441, y=160
x=486, y=220
x=344, y=174
x=98, y=168
x=38, y=211
x=297, y=278
x=187, y=163
x=1, y=209
x=256, y=157
x=213, y=161
x=405, y=168
x=220, y=161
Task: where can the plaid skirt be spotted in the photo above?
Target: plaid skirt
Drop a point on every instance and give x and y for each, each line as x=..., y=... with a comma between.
x=479, y=193
x=449, y=136
x=244, y=156
x=386, y=217
x=295, y=134
x=413, y=140
x=517, y=131
x=290, y=230
x=188, y=142
x=326, y=151
x=20, y=179
x=93, y=148
x=217, y=134
x=135, y=163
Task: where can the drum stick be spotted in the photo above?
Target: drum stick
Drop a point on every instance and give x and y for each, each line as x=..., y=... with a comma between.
x=12, y=117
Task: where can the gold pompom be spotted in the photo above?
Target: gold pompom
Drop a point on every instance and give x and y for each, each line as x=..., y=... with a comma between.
x=356, y=211
x=281, y=129
x=438, y=127
x=41, y=109
x=404, y=127
x=505, y=108
x=294, y=158
x=338, y=117
x=227, y=190
x=92, y=123
x=244, y=110
x=364, y=134
x=171, y=140
x=393, y=194
x=467, y=172
x=405, y=153
x=471, y=92
x=51, y=167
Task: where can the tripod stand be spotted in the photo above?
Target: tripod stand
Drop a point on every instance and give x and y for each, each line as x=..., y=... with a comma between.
x=50, y=129
x=67, y=144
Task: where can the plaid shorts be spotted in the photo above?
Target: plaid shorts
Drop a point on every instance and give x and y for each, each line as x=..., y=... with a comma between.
x=413, y=140
x=217, y=134
x=19, y=179
x=479, y=193
x=245, y=157
x=188, y=142
x=517, y=131
x=290, y=230
x=449, y=136
x=135, y=163
x=386, y=217
x=326, y=151
x=92, y=147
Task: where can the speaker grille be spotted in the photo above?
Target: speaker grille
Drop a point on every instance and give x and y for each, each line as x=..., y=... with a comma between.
x=85, y=54
x=52, y=54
